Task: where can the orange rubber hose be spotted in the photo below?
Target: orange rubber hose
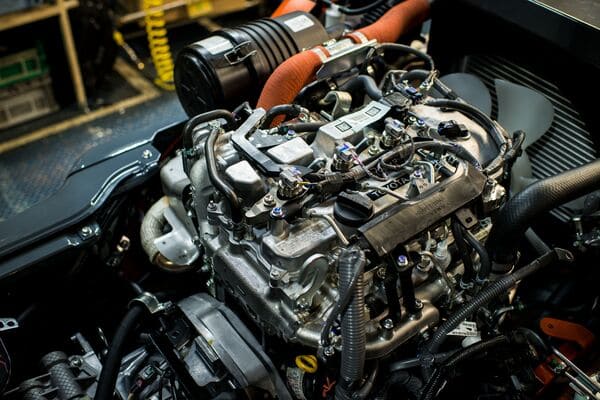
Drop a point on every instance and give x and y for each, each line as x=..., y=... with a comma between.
x=288, y=6
x=289, y=78
x=397, y=21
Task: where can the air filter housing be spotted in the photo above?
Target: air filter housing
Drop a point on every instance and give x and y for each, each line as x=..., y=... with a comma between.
x=232, y=65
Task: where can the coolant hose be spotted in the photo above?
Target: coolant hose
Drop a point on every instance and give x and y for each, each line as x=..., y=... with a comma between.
x=437, y=380
x=485, y=264
x=188, y=129
x=521, y=210
x=397, y=21
x=279, y=113
x=463, y=251
x=112, y=364
x=366, y=84
x=353, y=323
x=235, y=203
x=288, y=6
x=291, y=76
x=487, y=294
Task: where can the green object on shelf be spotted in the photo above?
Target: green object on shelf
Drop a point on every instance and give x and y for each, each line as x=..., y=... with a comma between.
x=22, y=66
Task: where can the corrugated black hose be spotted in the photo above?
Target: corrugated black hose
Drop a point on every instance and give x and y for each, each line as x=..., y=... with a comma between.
x=487, y=294
x=522, y=209
x=353, y=323
x=437, y=380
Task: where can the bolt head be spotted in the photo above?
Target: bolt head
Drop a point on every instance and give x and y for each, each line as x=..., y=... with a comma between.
x=269, y=200
x=388, y=323
x=329, y=351
x=277, y=212
x=402, y=260
x=146, y=154
x=86, y=231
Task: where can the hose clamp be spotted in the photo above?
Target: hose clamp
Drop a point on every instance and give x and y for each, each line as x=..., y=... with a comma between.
x=151, y=303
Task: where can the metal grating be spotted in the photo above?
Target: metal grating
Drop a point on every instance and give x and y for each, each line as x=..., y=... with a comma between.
x=566, y=145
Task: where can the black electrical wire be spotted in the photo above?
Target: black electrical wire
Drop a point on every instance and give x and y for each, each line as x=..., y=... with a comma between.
x=492, y=128
x=342, y=302
x=436, y=382
x=489, y=293
x=355, y=11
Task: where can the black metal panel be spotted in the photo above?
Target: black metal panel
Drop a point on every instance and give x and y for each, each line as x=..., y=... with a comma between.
x=107, y=170
x=568, y=32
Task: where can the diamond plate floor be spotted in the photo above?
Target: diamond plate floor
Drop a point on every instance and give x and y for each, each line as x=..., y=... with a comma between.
x=33, y=172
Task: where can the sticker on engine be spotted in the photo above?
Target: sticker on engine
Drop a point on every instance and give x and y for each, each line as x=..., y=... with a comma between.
x=466, y=328
x=299, y=23
x=216, y=44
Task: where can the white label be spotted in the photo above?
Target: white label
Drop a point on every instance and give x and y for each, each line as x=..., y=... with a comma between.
x=216, y=44
x=299, y=23
x=466, y=328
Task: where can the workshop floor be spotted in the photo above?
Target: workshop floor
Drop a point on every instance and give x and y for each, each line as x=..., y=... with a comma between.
x=36, y=157
x=31, y=173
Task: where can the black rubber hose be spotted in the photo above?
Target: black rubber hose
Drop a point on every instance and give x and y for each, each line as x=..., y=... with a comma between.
x=463, y=251
x=437, y=380
x=188, y=129
x=406, y=382
x=367, y=387
x=491, y=127
x=489, y=293
x=112, y=364
x=219, y=183
x=521, y=210
x=288, y=110
x=421, y=75
x=365, y=84
x=485, y=264
x=301, y=127
x=353, y=324
x=410, y=50
x=450, y=147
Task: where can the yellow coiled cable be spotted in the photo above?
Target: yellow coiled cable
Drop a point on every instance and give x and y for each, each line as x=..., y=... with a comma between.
x=159, y=43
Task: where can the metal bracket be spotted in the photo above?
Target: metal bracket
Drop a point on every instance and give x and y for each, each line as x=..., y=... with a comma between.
x=151, y=303
x=239, y=53
x=177, y=245
x=7, y=324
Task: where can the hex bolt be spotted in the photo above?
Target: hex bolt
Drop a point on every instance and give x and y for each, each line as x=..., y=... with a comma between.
x=269, y=200
x=388, y=324
x=146, y=154
x=277, y=212
x=86, y=231
x=329, y=351
x=124, y=242
x=402, y=261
